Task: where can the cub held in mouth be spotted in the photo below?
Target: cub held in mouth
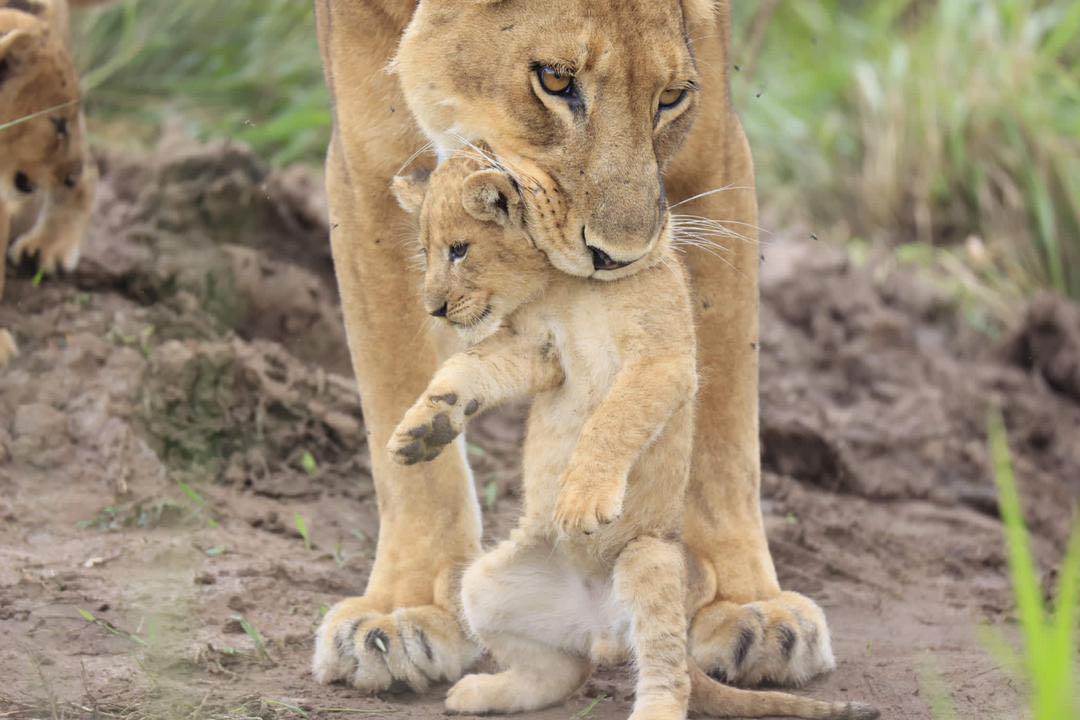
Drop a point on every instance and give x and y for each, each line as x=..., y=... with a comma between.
x=596, y=567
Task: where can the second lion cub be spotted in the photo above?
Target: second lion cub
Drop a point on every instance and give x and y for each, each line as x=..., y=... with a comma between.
x=595, y=569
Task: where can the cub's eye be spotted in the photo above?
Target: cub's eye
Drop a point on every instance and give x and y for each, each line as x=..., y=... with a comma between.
x=458, y=251
x=553, y=81
x=672, y=97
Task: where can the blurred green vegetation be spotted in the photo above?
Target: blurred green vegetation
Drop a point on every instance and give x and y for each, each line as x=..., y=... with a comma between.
x=930, y=121
x=947, y=123
x=245, y=69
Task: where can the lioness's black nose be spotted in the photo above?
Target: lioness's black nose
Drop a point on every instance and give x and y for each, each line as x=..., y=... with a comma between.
x=441, y=312
x=602, y=261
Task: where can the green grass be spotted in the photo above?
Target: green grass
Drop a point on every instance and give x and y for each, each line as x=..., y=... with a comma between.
x=245, y=69
x=1048, y=663
x=922, y=120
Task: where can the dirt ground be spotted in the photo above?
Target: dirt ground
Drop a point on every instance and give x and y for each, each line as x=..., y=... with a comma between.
x=183, y=404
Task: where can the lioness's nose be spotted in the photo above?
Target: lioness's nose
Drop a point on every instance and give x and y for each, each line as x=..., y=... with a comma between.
x=602, y=261
x=601, y=258
x=441, y=312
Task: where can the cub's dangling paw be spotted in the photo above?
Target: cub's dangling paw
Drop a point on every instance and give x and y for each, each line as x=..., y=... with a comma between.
x=372, y=650
x=585, y=504
x=429, y=426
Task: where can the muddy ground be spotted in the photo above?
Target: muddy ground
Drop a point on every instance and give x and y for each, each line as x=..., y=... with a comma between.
x=184, y=398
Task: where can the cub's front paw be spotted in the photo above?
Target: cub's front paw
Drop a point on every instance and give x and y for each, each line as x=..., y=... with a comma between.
x=585, y=504
x=429, y=426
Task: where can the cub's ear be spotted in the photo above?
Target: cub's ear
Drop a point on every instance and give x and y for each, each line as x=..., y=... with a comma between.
x=12, y=45
x=491, y=196
x=409, y=190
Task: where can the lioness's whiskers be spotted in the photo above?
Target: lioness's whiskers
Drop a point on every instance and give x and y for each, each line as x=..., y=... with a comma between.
x=426, y=147
x=708, y=193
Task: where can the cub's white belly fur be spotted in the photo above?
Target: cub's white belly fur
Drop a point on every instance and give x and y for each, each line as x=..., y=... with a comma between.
x=576, y=612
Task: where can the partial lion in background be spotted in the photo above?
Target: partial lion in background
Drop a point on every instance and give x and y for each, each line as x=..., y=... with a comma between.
x=47, y=175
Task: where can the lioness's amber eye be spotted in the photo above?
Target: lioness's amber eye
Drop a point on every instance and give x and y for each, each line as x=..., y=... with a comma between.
x=553, y=81
x=672, y=97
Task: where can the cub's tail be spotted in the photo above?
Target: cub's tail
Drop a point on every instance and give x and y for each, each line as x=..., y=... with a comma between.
x=709, y=697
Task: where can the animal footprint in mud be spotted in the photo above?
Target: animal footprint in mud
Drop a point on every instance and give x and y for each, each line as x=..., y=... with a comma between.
x=586, y=503
x=429, y=426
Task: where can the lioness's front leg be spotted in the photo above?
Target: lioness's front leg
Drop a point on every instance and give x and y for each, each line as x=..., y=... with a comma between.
x=641, y=400
x=504, y=367
x=750, y=631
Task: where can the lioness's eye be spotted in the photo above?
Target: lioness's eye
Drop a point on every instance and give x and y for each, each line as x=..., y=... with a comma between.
x=671, y=97
x=553, y=81
x=458, y=251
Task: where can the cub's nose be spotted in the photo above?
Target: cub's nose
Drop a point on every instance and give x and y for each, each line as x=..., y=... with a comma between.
x=441, y=312
x=602, y=261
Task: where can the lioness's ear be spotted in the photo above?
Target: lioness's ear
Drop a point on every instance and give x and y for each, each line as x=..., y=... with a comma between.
x=409, y=190
x=491, y=196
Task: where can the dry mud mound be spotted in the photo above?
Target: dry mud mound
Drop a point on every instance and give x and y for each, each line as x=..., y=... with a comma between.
x=185, y=481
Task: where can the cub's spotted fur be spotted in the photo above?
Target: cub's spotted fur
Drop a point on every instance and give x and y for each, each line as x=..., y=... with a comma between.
x=596, y=568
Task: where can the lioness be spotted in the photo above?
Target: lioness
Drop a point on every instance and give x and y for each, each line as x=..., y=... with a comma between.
x=47, y=176
x=595, y=567
x=617, y=108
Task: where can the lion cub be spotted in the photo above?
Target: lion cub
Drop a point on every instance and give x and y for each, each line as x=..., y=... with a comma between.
x=47, y=175
x=595, y=569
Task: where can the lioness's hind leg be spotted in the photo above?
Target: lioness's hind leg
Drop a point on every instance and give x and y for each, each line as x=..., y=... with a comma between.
x=784, y=641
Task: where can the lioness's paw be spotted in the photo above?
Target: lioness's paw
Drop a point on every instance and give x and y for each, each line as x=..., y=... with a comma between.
x=372, y=651
x=584, y=505
x=782, y=641
x=429, y=426
x=8, y=348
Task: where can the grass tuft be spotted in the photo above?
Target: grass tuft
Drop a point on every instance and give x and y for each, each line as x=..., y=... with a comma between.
x=1049, y=658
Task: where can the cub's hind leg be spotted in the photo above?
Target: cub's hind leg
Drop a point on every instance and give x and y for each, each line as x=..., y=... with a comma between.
x=531, y=612
x=649, y=582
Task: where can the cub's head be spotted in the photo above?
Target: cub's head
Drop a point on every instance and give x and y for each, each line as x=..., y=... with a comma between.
x=36, y=75
x=585, y=101
x=479, y=265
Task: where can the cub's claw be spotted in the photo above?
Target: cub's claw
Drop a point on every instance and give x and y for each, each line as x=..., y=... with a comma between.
x=372, y=651
x=585, y=505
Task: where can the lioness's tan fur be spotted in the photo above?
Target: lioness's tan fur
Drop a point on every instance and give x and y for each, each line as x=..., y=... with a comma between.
x=47, y=176
x=596, y=566
x=462, y=68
